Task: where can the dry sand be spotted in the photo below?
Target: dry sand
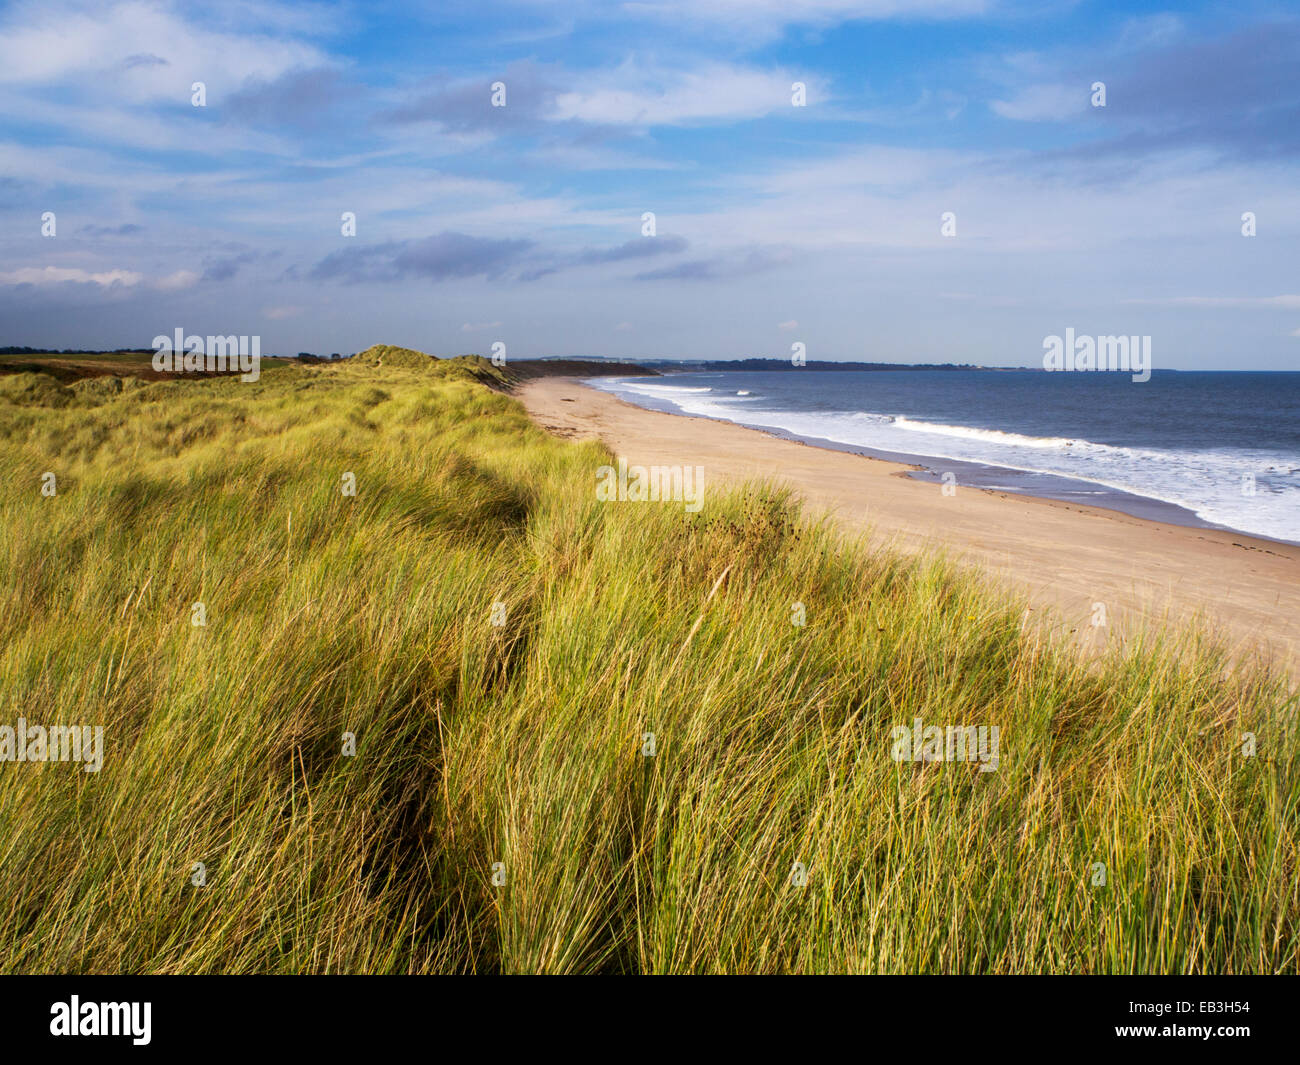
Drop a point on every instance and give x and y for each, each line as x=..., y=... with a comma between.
x=1064, y=558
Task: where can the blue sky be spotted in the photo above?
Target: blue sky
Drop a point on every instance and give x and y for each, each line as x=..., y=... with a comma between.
x=819, y=224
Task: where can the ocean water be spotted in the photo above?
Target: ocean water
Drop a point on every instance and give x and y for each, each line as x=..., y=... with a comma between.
x=1181, y=447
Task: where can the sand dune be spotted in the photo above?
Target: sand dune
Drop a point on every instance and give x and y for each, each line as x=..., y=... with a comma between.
x=1064, y=557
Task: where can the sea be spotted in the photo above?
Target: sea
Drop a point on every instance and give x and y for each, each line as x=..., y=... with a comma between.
x=1210, y=449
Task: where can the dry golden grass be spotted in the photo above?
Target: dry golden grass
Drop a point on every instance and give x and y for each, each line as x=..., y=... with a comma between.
x=521, y=743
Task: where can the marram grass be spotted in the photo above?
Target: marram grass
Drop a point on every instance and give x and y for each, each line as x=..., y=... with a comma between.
x=514, y=752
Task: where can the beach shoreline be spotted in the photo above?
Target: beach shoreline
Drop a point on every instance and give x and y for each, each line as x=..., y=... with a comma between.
x=1064, y=557
x=976, y=473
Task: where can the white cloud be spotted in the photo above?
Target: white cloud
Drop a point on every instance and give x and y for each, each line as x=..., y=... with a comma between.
x=1045, y=102
x=180, y=279
x=478, y=327
x=278, y=314
x=138, y=49
x=886, y=197
x=53, y=275
x=787, y=326
x=634, y=95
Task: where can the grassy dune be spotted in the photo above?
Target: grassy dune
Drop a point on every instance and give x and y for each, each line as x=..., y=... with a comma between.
x=521, y=743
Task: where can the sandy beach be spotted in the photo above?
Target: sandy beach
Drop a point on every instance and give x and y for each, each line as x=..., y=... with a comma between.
x=1063, y=557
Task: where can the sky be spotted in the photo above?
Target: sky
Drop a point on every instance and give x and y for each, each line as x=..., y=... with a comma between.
x=778, y=220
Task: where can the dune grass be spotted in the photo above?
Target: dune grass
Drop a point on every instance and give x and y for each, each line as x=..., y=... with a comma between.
x=514, y=752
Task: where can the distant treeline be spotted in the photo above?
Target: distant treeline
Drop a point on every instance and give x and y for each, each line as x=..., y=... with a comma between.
x=528, y=369
x=785, y=364
x=305, y=356
x=74, y=351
